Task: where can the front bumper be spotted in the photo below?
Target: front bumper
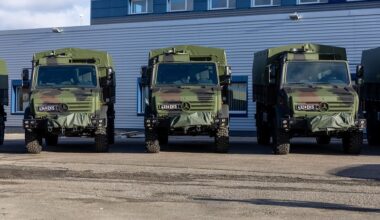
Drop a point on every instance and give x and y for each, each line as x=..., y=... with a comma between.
x=152, y=123
x=53, y=126
x=304, y=125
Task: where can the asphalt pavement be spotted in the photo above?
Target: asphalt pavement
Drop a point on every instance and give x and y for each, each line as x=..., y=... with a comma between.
x=187, y=180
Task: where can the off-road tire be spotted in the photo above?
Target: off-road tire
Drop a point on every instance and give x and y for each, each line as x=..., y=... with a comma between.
x=163, y=137
x=352, y=142
x=101, y=143
x=372, y=128
x=2, y=133
x=33, y=142
x=263, y=136
x=281, y=143
x=222, y=140
x=51, y=140
x=323, y=140
x=111, y=124
x=111, y=132
x=152, y=143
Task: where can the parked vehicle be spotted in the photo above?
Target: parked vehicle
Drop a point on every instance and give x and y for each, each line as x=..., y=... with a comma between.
x=71, y=93
x=369, y=89
x=187, y=95
x=305, y=90
x=3, y=98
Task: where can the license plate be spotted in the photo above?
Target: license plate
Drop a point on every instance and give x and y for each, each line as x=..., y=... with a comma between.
x=307, y=107
x=169, y=107
x=51, y=108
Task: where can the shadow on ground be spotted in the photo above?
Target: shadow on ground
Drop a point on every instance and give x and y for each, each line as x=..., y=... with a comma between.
x=365, y=171
x=239, y=145
x=296, y=204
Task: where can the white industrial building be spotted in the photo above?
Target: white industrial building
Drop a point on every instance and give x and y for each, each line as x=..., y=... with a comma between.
x=355, y=28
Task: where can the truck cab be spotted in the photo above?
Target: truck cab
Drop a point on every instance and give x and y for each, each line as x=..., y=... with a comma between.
x=306, y=90
x=368, y=78
x=3, y=98
x=71, y=93
x=187, y=95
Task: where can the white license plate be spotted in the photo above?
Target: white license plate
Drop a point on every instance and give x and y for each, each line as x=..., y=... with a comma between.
x=169, y=107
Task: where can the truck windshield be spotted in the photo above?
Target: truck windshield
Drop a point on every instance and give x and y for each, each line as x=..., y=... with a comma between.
x=314, y=72
x=66, y=76
x=187, y=74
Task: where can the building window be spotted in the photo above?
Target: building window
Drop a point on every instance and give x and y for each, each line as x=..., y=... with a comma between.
x=238, y=96
x=17, y=104
x=302, y=2
x=180, y=5
x=142, y=96
x=264, y=3
x=140, y=6
x=221, y=4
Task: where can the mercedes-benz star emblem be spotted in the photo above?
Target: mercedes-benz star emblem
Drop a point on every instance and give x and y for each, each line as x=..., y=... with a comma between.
x=324, y=107
x=186, y=106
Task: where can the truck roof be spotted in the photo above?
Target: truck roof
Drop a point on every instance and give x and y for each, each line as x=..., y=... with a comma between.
x=370, y=61
x=339, y=52
x=214, y=54
x=266, y=57
x=3, y=83
x=77, y=55
x=3, y=68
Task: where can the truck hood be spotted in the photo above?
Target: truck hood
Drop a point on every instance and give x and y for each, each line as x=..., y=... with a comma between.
x=334, y=99
x=186, y=100
x=65, y=101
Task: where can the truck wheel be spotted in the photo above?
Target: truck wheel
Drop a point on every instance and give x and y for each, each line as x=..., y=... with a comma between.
x=323, y=140
x=151, y=142
x=372, y=138
x=352, y=142
x=51, y=140
x=163, y=137
x=33, y=141
x=101, y=143
x=222, y=140
x=111, y=133
x=263, y=136
x=281, y=143
x=2, y=133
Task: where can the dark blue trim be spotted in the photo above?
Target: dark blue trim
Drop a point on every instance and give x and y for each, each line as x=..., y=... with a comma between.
x=138, y=98
x=240, y=79
x=14, y=85
x=120, y=8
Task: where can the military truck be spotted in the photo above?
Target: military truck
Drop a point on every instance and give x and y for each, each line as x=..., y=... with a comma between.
x=187, y=95
x=3, y=98
x=71, y=93
x=305, y=90
x=368, y=74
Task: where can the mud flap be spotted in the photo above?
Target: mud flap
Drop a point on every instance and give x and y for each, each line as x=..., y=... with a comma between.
x=339, y=121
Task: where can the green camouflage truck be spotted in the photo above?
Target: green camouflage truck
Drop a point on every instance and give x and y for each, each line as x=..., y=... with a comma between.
x=3, y=98
x=368, y=74
x=71, y=93
x=305, y=90
x=187, y=95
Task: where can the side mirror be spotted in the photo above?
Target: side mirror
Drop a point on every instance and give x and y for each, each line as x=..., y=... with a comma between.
x=144, y=75
x=359, y=71
x=226, y=79
x=271, y=74
x=228, y=71
x=25, y=78
x=110, y=76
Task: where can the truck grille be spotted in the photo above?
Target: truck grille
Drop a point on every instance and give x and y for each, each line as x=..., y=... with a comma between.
x=340, y=106
x=79, y=106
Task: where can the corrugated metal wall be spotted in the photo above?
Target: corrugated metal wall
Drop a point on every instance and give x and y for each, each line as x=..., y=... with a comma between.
x=240, y=36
